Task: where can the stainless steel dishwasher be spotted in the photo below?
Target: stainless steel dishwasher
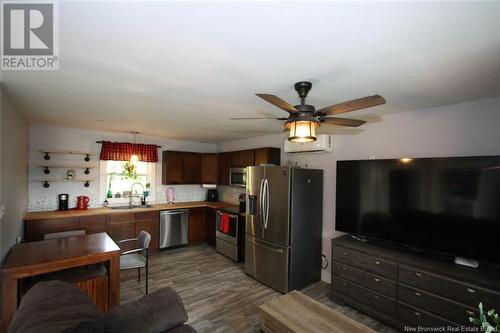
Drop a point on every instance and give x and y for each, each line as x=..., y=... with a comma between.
x=173, y=228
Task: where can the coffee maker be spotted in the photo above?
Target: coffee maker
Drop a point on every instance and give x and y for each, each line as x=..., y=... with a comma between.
x=63, y=201
x=212, y=195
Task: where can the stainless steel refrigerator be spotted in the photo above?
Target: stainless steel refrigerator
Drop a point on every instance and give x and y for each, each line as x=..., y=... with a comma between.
x=283, y=226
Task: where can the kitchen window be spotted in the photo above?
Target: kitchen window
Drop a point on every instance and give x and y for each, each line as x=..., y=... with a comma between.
x=116, y=182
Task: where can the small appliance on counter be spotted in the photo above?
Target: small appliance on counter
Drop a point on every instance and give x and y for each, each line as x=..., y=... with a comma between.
x=170, y=195
x=230, y=233
x=63, y=201
x=82, y=202
x=212, y=195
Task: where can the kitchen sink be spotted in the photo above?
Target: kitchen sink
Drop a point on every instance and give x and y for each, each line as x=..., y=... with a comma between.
x=128, y=207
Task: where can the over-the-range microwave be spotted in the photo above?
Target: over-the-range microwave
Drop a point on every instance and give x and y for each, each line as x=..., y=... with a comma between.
x=238, y=177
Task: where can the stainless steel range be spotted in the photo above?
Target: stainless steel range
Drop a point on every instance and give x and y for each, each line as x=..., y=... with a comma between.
x=229, y=233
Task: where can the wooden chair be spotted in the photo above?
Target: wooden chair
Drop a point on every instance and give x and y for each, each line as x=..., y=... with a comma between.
x=137, y=258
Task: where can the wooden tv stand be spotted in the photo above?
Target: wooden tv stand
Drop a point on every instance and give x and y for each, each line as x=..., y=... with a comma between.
x=402, y=288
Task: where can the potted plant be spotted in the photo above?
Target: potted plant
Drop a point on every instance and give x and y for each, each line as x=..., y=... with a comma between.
x=483, y=322
x=146, y=193
x=129, y=170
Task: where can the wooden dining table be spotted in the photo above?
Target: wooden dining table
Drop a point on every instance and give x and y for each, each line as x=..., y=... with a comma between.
x=35, y=258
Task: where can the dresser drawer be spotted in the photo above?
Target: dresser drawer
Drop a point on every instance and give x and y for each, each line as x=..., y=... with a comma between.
x=368, y=280
x=449, y=288
x=443, y=307
x=366, y=262
x=414, y=317
x=377, y=301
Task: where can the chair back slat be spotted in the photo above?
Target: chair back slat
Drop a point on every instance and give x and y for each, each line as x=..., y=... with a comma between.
x=144, y=239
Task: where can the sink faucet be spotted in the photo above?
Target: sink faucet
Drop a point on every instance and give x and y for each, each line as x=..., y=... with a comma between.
x=131, y=204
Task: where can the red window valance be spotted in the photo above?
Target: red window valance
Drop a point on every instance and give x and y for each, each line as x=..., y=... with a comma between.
x=121, y=151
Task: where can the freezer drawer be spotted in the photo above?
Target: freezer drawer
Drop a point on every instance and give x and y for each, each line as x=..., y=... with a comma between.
x=267, y=263
x=173, y=228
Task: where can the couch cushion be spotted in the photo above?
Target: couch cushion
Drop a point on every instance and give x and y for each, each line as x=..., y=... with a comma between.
x=56, y=307
x=154, y=313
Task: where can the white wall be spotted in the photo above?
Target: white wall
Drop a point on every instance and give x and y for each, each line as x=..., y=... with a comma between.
x=471, y=128
x=14, y=145
x=59, y=138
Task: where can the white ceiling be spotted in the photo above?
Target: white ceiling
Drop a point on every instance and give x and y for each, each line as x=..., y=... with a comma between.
x=180, y=70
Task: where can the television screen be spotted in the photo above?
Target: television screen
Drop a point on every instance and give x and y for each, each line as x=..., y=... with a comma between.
x=450, y=205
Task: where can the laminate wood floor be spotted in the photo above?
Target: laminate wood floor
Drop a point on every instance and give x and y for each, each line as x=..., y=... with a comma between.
x=217, y=294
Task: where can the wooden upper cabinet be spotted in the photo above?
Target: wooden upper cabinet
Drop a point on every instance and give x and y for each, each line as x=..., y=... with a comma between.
x=243, y=158
x=172, y=167
x=225, y=162
x=268, y=156
x=191, y=168
x=209, y=170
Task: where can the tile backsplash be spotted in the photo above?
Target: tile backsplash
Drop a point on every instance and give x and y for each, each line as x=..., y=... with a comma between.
x=230, y=193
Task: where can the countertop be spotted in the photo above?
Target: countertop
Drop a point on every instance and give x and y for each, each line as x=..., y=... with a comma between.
x=45, y=215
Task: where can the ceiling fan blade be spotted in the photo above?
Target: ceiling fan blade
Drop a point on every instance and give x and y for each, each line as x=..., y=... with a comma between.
x=276, y=101
x=355, y=104
x=250, y=118
x=343, y=121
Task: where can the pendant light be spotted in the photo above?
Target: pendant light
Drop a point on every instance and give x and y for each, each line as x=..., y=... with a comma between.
x=134, y=158
x=302, y=129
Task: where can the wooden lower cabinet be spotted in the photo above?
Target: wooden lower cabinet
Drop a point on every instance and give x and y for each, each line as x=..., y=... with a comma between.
x=196, y=228
x=149, y=222
x=129, y=225
x=122, y=230
x=210, y=226
x=118, y=226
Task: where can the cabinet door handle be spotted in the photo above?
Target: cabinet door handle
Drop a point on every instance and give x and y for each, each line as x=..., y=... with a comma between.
x=376, y=279
x=344, y=284
x=417, y=313
x=472, y=291
x=344, y=253
x=344, y=268
x=377, y=262
x=376, y=297
x=470, y=313
x=417, y=293
x=417, y=274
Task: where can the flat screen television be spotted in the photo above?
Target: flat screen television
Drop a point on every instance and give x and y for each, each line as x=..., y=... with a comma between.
x=448, y=205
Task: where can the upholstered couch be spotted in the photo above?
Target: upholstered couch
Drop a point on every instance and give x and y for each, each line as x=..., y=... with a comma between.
x=57, y=307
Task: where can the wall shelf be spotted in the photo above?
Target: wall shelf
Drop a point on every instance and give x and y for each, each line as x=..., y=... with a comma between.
x=46, y=182
x=47, y=153
x=47, y=167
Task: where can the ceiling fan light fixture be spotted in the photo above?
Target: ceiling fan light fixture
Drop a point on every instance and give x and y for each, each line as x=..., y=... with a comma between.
x=302, y=130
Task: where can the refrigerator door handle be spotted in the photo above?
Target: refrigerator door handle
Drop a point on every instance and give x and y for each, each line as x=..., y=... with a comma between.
x=267, y=202
x=266, y=247
x=261, y=200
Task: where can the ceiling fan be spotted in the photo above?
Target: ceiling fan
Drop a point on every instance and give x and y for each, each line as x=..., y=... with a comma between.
x=303, y=119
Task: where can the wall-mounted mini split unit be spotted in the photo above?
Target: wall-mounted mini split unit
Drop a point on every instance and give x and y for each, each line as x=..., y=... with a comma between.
x=323, y=144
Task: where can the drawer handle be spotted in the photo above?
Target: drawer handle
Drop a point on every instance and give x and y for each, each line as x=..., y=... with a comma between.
x=344, y=284
x=417, y=274
x=417, y=293
x=377, y=262
x=344, y=253
x=417, y=313
x=376, y=297
x=376, y=279
x=344, y=268
x=470, y=313
x=472, y=291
